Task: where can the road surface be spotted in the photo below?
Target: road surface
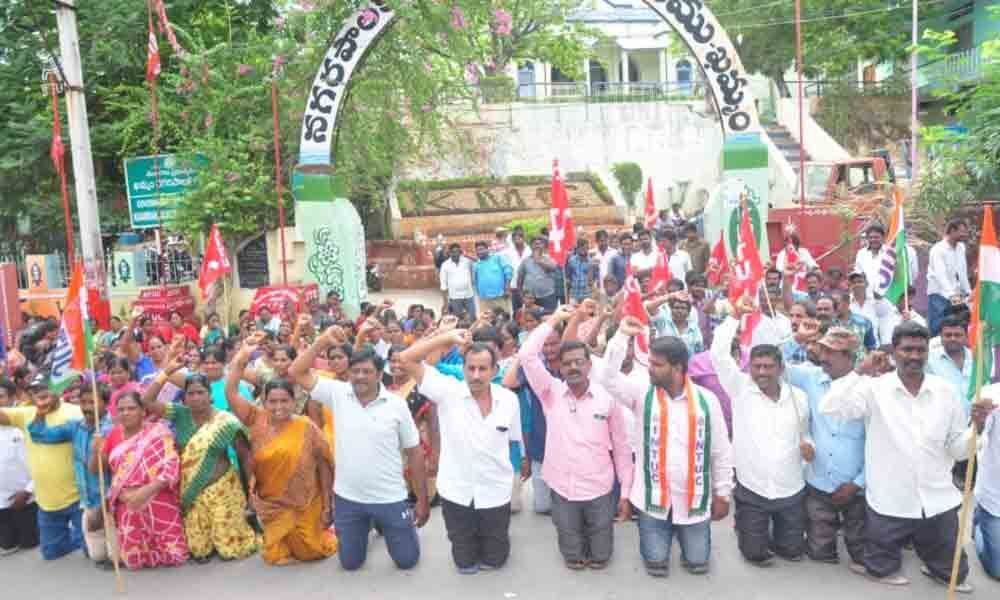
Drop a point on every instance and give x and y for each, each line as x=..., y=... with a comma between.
x=534, y=572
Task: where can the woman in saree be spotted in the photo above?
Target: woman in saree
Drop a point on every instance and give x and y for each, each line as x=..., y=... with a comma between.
x=144, y=469
x=213, y=445
x=293, y=470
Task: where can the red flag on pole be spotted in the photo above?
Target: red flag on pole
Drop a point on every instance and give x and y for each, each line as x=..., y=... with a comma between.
x=660, y=275
x=632, y=306
x=152, y=55
x=650, y=211
x=562, y=235
x=748, y=270
x=718, y=263
x=215, y=263
x=792, y=258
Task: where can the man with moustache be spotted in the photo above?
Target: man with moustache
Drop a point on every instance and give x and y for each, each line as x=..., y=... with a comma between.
x=915, y=427
x=583, y=421
x=770, y=440
x=478, y=421
x=835, y=479
x=680, y=498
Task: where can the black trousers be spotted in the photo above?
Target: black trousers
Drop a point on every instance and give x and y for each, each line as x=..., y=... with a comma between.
x=824, y=518
x=19, y=528
x=477, y=535
x=933, y=539
x=765, y=526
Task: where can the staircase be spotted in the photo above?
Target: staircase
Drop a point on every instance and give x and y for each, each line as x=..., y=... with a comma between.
x=783, y=139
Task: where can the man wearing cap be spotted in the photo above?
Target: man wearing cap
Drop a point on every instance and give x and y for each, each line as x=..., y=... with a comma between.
x=51, y=467
x=835, y=480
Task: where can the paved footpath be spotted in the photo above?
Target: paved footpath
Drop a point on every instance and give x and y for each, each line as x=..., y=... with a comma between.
x=535, y=571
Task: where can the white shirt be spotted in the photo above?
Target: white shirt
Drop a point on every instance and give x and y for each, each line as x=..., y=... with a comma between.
x=988, y=477
x=369, y=440
x=475, y=464
x=680, y=263
x=630, y=391
x=947, y=271
x=643, y=262
x=911, y=443
x=766, y=434
x=805, y=258
x=870, y=263
x=514, y=258
x=881, y=313
x=14, y=476
x=456, y=278
x=774, y=330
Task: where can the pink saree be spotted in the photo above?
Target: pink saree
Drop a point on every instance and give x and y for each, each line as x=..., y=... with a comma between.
x=153, y=535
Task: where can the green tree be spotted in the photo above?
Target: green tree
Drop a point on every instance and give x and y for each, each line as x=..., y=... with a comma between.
x=629, y=178
x=835, y=34
x=962, y=168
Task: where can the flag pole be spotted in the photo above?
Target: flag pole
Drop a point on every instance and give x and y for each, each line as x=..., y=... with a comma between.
x=100, y=476
x=970, y=467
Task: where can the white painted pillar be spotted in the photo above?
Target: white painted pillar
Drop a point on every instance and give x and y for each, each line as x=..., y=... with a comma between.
x=586, y=75
x=624, y=71
x=663, y=69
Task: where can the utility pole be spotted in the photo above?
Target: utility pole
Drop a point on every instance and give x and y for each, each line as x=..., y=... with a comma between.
x=83, y=163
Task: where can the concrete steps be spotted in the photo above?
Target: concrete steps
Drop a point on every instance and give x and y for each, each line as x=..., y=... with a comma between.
x=788, y=146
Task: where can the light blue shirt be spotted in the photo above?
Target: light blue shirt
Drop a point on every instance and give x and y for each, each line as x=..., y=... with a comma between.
x=940, y=364
x=663, y=325
x=492, y=274
x=840, y=444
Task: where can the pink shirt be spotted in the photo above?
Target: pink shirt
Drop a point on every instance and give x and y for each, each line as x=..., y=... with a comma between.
x=579, y=431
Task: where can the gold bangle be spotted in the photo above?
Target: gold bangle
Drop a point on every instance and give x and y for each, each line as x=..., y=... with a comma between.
x=162, y=378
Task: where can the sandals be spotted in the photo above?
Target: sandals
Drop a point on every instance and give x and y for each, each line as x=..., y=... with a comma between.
x=577, y=565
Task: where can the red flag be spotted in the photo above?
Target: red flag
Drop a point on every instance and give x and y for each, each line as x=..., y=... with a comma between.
x=152, y=56
x=748, y=324
x=562, y=235
x=718, y=263
x=215, y=263
x=650, y=212
x=57, y=151
x=792, y=258
x=660, y=276
x=632, y=306
x=748, y=270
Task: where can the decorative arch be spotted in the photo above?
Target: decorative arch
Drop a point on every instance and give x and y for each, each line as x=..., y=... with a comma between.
x=724, y=74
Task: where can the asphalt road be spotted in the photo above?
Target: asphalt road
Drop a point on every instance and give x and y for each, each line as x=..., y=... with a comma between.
x=535, y=571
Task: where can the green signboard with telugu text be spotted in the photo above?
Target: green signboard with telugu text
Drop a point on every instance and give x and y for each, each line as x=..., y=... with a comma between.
x=154, y=183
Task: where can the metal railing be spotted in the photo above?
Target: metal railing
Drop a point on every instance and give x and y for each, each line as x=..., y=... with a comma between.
x=174, y=266
x=604, y=91
x=957, y=67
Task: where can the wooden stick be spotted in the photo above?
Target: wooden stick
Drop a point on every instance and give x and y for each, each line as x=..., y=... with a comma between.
x=100, y=478
x=963, y=520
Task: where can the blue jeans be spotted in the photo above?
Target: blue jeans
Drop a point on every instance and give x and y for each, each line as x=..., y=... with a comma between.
x=656, y=536
x=457, y=306
x=936, y=305
x=60, y=531
x=986, y=530
x=354, y=523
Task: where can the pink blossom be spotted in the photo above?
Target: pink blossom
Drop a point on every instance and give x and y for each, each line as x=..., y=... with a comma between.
x=278, y=62
x=428, y=67
x=209, y=120
x=307, y=6
x=243, y=70
x=457, y=18
x=471, y=74
x=232, y=177
x=502, y=22
x=368, y=17
x=279, y=22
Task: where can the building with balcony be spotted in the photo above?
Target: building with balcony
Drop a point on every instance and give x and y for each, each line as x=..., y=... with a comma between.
x=638, y=55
